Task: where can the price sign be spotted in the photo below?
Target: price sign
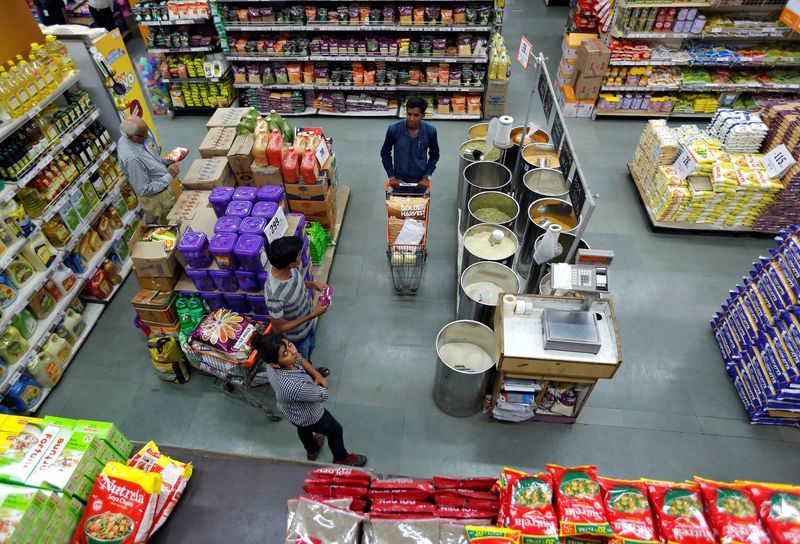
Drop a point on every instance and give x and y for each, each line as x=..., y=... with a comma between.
x=685, y=165
x=541, y=86
x=276, y=227
x=322, y=153
x=547, y=104
x=566, y=159
x=524, y=52
x=778, y=161
x=577, y=193
x=557, y=132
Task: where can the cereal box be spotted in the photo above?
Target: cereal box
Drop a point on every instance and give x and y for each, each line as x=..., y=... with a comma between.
x=29, y=447
x=109, y=433
x=70, y=465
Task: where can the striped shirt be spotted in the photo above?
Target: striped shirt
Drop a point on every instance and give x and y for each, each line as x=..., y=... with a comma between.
x=288, y=299
x=145, y=171
x=298, y=399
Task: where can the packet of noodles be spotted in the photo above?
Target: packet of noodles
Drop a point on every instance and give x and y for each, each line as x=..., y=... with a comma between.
x=628, y=510
x=732, y=513
x=492, y=535
x=679, y=511
x=580, y=505
x=779, y=509
x=530, y=508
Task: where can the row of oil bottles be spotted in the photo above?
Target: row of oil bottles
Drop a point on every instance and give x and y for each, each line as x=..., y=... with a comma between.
x=28, y=82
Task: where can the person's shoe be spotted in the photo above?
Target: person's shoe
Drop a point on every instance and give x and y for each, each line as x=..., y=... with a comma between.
x=320, y=438
x=324, y=371
x=353, y=460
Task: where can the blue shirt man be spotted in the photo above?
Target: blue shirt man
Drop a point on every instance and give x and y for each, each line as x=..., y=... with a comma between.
x=411, y=149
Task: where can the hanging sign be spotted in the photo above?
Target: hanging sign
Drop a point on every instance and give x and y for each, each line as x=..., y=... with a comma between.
x=685, y=165
x=778, y=161
x=524, y=52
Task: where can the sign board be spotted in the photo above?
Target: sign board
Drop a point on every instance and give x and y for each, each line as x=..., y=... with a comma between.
x=557, y=133
x=277, y=226
x=685, y=165
x=524, y=52
x=566, y=159
x=778, y=161
x=322, y=153
x=577, y=193
x=541, y=85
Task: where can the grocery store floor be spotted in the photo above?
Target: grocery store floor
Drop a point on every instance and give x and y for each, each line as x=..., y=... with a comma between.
x=670, y=412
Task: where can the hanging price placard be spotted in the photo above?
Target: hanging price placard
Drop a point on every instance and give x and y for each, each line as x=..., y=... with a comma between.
x=778, y=161
x=541, y=86
x=322, y=153
x=557, y=132
x=277, y=227
x=524, y=53
x=577, y=193
x=685, y=165
x=566, y=159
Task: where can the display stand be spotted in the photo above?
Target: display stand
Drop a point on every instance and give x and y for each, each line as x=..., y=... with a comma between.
x=322, y=271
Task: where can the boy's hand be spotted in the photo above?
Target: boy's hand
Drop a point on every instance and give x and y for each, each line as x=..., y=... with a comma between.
x=319, y=310
x=320, y=381
x=318, y=287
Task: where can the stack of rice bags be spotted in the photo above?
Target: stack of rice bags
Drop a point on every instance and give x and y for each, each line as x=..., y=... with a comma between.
x=657, y=146
x=739, y=131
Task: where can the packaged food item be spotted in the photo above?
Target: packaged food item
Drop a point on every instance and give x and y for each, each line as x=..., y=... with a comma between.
x=45, y=369
x=39, y=252
x=527, y=506
x=25, y=323
x=226, y=332
x=779, y=509
x=24, y=395
x=679, y=512
x=628, y=510
x=732, y=512
x=20, y=271
x=13, y=345
x=315, y=521
x=492, y=535
x=41, y=304
x=579, y=501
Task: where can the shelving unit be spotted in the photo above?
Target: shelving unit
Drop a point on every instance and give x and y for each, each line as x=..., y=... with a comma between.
x=354, y=58
x=14, y=124
x=175, y=22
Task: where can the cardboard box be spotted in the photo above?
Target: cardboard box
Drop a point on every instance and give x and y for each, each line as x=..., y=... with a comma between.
x=155, y=306
x=15, y=465
x=266, y=175
x=240, y=155
x=567, y=66
x=245, y=179
x=22, y=507
x=494, y=110
x=205, y=174
x=226, y=117
x=571, y=106
x=108, y=433
x=593, y=58
x=217, y=142
x=152, y=259
x=70, y=461
x=587, y=87
x=159, y=283
x=302, y=191
x=562, y=80
x=187, y=205
x=571, y=42
x=496, y=92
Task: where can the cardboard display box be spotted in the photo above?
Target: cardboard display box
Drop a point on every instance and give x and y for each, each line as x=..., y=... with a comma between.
x=571, y=42
x=240, y=155
x=159, y=283
x=226, y=117
x=593, y=58
x=587, y=87
x=571, y=106
x=217, y=142
x=187, y=205
x=266, y=175
x=303, y=191
x=155, y=306
x=152, y=259
x=494, y=110
x=247, y=179
x=209, y=173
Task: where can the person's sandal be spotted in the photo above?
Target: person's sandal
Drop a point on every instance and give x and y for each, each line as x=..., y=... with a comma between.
x=320, y=438
x=324, y=371
x=353, y=460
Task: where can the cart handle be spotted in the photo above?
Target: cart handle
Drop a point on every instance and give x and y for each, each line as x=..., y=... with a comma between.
x=390, y=191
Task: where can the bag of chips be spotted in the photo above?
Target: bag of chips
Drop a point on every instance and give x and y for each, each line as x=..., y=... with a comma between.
x=492, y=535
x=530, y=507
x=121, y=508
x=779, y=509
x=679, y=512
x=580, y=505
x=628, y=510
x=732, y=512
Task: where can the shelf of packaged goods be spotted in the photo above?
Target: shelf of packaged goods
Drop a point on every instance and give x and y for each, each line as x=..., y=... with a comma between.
x=711, y=88
x=127, y=266
x=443, y=116
x=647, y=63
x=201, y=49
x=202, y=79
x=653, y=114
x=343, y=88
x=274, y=87
x=54, y=206
x=717, y=64
x=63, y=141
x=622, y=4
x=98, y=257
x=650, y=89
x=24, y=294
x=14, y=124
x=90, y=316
x=174, y=22
x=386, y=113
x=353, y=28
x=307, y=111
x=354, y=58
x=617, y=33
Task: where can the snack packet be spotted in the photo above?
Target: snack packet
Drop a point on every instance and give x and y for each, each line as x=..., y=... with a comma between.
x=628, y=510
x=732, y=513
x=529, y=503
x=580, y=505
x=679, y=512
x=779, y=509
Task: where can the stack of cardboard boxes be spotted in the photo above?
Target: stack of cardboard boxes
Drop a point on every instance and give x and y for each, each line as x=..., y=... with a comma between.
x=495, y=99
x=583, y=63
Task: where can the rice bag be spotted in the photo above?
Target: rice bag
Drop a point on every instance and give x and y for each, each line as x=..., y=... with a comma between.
x=401, y=531
x=732, y=512
x=529, y=500
x=121, y=507
x=350, y=474
x=398, y=495
x=779, y=509
x=628, y=510
x=319, y=522
x=291, y=506
x=492, y=535
x=679, y=512
x=454, y=512
x=335, y=491
x=402, y=506
x=580, y=505
x=403, y=483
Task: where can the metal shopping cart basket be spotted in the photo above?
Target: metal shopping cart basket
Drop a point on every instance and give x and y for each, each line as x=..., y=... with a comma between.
x=406, y=261
x=236, y=378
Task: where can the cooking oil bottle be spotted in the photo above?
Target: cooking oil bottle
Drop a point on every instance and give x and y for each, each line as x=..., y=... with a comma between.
x=58, y=51
x=40, y=58
x=20, y=87
x=8, y=96
x=31, y=74
x=46, y=57
x=28, y=81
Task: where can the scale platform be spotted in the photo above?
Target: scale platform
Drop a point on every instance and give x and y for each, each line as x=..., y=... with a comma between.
x=570, y=330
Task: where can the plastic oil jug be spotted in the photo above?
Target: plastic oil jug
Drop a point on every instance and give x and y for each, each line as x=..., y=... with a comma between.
x=308, y=168
x=112, y=271
x=56, y=231
x=64, y=278
x=55, y=290
x=39, y=252
x=289, y=166
x=25, y=323
x=58, y=348
x=8, y=293
x=62, y=332
x=275, y=148
x=99, y=287
x=41, y=304
x=12, y=345
x=20, y=271
x=74, y=323
x=25, y=394
x=45, y=369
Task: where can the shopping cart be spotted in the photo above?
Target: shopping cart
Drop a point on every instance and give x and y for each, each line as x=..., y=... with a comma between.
x=406, y=261
x=236, y=378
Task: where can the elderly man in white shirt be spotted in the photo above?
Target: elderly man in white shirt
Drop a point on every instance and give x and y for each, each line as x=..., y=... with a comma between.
x=103, y=14
x=150, y=176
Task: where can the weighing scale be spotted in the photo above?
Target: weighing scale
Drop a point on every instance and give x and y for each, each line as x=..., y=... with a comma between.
x=576, y=330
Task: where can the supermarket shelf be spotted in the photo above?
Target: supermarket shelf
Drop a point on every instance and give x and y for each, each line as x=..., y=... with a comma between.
x=127, y=266
x=274, y=87
x=103, y=251
x=10, y=127
x=7, y=194
x=622, y=4
x=442, y=116
x=617, y=33
x=63, y=141
x=718, y=64
x=201, y=49
x=308, y=111
x=174, y=22
x=91, y=316
x=284, y=1
x=710, y=88
x=652, y=114
x=647, y=63
x=24, y=294
x=359, y=88
x=651, y=88
x=219, y=79
x=353, y=28
x=257, y=57
x=386, y=113
x=355, y=58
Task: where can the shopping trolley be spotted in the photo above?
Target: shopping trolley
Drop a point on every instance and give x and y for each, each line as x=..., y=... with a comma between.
x=406, y=261
x=235, y=378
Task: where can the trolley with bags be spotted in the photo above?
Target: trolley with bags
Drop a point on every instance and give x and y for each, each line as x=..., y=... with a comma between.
x=406, y=222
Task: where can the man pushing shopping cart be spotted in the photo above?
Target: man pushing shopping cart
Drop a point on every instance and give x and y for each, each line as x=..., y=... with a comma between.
x=409, y=154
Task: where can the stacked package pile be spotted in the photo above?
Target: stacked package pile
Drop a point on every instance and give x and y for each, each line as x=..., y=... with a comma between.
x=264, y=100
x=783, y=120
x=655, y=153
x=758, y=332
x=739, y=132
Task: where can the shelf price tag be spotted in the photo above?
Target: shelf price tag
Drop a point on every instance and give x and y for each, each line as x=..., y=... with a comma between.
x=276, y=227
x=778, y=161
x=685, y=165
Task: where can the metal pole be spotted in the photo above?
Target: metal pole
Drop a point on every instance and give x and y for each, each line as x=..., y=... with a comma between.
x=579, y=234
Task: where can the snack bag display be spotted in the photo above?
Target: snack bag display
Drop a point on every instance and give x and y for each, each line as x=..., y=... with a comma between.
x=492, y=535
x=580, y=505
x=121, y=508
x=319, y=522
x=628, y=510
x=528, y=502
x=732, y=512
x=779, y=509
x=679, y=511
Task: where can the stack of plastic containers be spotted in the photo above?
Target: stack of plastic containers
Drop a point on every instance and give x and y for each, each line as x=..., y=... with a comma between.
x=229, y=270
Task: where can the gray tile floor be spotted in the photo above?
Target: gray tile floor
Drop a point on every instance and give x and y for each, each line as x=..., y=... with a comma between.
x=669, y=413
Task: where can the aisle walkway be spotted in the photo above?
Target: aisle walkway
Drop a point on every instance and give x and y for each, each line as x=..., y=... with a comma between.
x=669, y=413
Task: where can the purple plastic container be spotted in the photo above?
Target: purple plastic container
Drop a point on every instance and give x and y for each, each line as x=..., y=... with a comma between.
x=267, y=210
x=250, y=252
x=200, y=279
x=194, y=248
x=257, y=304
x=214, y=301
x=245, y=193
x=262, y=279
x=221, y=247
x=270, y=193
x=253, y=225
x=237, y=303
x=300, y=226
x=224, y=280
x=219, y=199
x=304, y=257
x=239, y=208
x=227, y=223
x=248, y=281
